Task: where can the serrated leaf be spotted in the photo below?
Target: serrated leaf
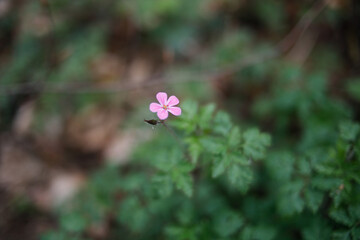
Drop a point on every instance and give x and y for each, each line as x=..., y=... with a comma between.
x=341, y=235
x=212, y=145
x=313, y=199
x=354, y=211
x=240, y=177
x=185, y=215
x=195, y=148
x=227, y=223
x=188, y=120
x=206, y=115
x=355, y=233
x=222, y=123
x=239, y=158
x=303, y=166
x=234, y=137
x=260, y=232
x=349, y=130
x=340, y=216
x=290, y=201
x=133, y=214
x=280, y=165
x=184, y=167
x=163, y=185
x=255, y=143
x=181, y=233
x=318, y=230
x=189, y=109
x=183, y=182
x=325, y=184
x=219, y=165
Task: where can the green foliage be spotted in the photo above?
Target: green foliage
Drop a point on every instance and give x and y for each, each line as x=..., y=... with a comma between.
x=217, y=141
x=255, y=143
x=191, y=189
x=227, y=222
x=220, y=179
x=349, y=131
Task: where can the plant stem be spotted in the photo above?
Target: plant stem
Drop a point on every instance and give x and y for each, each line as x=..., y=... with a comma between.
x=176, y=137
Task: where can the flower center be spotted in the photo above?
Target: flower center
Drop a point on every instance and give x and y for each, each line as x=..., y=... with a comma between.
x=165, y=107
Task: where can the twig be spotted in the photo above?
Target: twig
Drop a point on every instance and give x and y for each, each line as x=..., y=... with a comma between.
x=303, y=24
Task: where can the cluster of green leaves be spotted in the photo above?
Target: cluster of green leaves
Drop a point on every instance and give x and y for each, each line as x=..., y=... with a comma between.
x=213, y=140
x=315, y=193
x=221, y=183
x=143, y=200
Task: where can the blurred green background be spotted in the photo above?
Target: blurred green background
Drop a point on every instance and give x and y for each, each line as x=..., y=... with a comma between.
x=76, y=80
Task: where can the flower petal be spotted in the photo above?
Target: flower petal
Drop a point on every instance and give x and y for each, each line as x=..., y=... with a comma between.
x=175, y=110
x=163, y=114
x=162, y=98
x=172, y=101
x=155, y=107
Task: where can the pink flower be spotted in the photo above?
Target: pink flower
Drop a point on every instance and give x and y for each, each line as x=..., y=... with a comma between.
x=166, y=105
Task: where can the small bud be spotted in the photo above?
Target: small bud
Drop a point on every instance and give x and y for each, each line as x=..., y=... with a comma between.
x=151, y=121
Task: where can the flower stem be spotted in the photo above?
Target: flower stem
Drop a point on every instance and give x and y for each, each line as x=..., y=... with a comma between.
x=176, y=137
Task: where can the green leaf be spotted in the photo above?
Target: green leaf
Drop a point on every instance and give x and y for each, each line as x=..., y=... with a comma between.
x=234, y=137
x=280, y=165
x=206, y=115
x=303, y=166
x=290, y=201
x=239, y=158
x=183, y=182
x=189, y=109
x=325, y=184
x=186, y=213
x=260, y=232
x=240, y=177
x=163, y=185
x=222, y=123
x=349, y=130
x=184, y=166
x=341, y=235
x=220, y=164
x=313, y=199
x=340, y=216
x=133, y=214
x=212, y=145
x=182, y=233
x=355, y=233
x=227, y=223
x=167, y=160
x=195, y=148
x=188, y=120
x=354, y=211
x=318, y=230
x=255, y=143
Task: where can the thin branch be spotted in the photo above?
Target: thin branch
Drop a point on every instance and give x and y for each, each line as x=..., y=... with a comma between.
x=303, y=24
